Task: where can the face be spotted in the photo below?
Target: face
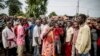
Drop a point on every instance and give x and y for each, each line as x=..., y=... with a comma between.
x=56, y=25
x=38, y=22
x=75, y=24
x=98, y=26
x=68, y=24
x=94, y=23
x=44, y=21
x=9, y=24
x=89, y=24
x=80, y=20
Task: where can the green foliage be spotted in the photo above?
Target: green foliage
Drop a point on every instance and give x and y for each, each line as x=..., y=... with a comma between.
x=36, y=8
x=3, y=14
x=52, y=14
x=20, y=13
x=14, y=6
x=2, y=6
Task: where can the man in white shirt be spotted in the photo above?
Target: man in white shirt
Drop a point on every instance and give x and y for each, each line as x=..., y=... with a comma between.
x=36, y=38
x=9, y=39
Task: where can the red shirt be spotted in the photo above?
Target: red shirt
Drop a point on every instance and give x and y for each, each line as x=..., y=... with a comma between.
x=25, y=26
x=57, y=32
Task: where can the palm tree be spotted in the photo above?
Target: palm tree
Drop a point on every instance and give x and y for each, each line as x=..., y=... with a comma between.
x=14, y=6
x=2, y=6
x=36, y=7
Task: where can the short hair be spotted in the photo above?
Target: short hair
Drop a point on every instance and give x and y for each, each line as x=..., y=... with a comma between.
x=83, y=16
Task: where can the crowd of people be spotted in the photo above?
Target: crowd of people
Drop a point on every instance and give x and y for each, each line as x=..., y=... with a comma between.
x=79, y=36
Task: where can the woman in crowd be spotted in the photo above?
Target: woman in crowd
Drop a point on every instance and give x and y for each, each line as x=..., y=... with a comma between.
x=48, y=41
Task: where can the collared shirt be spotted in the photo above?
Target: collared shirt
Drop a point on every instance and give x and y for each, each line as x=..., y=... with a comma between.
x=31, y=27
x=20, y=35
x=83, y=42
x=69, y=34
x=36, y=33
x=8, y=38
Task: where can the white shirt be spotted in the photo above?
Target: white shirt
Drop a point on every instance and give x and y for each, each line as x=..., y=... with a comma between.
x=36, y=33
x=7, y=37
x=69, y=34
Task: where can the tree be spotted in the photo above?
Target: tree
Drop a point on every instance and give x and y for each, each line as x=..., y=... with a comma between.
x=14, y=6
x=2, y=6
x=3, y=14
x=20, y=13
x=36, y=8
x=52, y=14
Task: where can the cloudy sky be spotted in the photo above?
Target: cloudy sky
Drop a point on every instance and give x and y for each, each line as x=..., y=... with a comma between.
x=68, y=7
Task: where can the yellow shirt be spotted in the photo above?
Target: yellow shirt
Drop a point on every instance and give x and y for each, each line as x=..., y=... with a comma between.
x=83, y=42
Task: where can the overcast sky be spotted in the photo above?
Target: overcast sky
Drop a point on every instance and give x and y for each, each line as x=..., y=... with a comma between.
x=68, y=7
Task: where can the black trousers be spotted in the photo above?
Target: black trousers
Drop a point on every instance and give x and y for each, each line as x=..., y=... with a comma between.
x=92, y=50
x=27, y=43
x=10, y=52
x=98, y=50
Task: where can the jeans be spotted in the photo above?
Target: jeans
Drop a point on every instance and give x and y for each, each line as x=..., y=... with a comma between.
x=84, y=55
x=36, y=51
x=73, y=50
x=58, y=46
x=95, y=48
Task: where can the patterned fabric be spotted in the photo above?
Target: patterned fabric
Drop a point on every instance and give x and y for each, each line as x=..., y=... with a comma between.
x=48, y=46
x=58, y=31
x=20, y=35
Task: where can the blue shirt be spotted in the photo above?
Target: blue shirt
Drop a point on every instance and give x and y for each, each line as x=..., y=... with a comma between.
x=31, y=30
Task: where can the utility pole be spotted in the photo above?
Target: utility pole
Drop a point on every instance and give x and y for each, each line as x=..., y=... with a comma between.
x=77, y=9
x=87, y=12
